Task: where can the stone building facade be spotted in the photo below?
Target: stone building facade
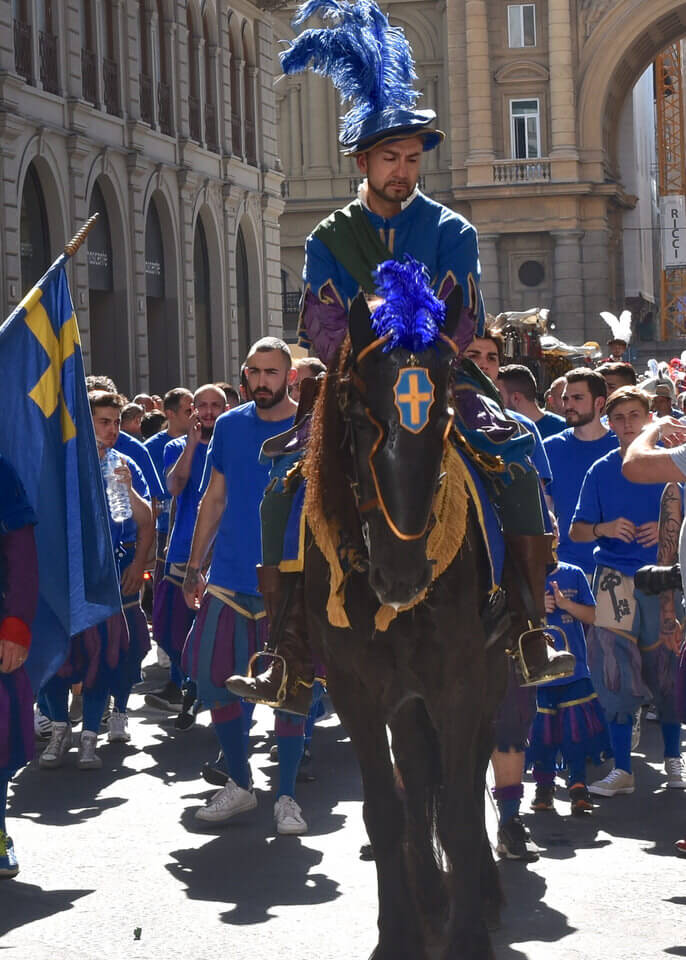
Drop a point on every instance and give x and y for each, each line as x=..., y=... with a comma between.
x=533, y=98
x=160, y=115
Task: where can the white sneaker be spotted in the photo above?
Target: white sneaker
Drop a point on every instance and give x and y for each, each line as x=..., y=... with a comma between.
x=288, y=817
x=617, y=781
x=674, y=767
x=226, y=803
x=88, y=758
x=58, y=745
x=118, y=728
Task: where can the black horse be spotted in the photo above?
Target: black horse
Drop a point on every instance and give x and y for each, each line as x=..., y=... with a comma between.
x=374, y=461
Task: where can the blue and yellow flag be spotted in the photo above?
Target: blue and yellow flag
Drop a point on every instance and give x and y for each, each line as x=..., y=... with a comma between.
x=46, y=432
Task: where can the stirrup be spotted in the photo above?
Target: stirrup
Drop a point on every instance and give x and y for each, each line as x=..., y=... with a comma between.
x=282, y=693
x=518, y=655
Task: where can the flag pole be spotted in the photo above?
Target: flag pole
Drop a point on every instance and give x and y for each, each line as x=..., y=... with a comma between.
x=79, y=237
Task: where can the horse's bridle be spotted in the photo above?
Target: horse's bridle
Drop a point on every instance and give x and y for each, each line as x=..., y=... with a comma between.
x=377, y=503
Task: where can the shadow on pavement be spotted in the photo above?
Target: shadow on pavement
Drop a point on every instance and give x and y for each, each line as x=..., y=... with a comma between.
x=24, y=903
x=525, y=916
x=244, y=869
x=67, y=796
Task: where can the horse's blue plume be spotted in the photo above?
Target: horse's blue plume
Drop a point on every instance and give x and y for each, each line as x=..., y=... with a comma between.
x=369, y=61
x=411, y=312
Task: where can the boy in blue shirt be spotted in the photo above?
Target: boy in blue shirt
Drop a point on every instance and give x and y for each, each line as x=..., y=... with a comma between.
x=569, y=719
x=627, y=659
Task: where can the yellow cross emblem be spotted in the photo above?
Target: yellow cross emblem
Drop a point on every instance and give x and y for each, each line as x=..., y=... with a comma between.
x=414, y=396
x=47, y=393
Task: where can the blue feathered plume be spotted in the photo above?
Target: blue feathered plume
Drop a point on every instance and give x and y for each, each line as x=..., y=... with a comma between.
x=369, y=61
x=411, y=313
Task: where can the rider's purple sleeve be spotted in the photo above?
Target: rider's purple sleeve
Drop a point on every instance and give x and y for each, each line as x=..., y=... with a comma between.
x=325, y=324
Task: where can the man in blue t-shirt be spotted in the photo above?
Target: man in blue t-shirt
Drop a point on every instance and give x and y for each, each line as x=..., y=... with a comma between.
x=627, y=659
x=572, y=453
x=517, y=385
x=230, y=625
x=183, y=466
x=177, y=404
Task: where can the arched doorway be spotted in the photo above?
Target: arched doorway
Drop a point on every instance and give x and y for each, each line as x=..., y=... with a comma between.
x=242, y=297
x=34, y=235
x=107, y=307
x=203, y=315
x=163, y=334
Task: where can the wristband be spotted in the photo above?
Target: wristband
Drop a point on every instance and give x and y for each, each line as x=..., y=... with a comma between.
x=15, y=631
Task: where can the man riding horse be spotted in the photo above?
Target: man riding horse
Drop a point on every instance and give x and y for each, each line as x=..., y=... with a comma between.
x=391, y=219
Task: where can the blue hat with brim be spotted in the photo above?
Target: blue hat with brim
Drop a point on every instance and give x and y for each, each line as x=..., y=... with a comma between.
x=371, y=65
x=393, y=125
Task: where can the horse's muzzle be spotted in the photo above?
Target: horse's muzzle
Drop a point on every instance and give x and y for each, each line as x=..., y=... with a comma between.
x=398, y=590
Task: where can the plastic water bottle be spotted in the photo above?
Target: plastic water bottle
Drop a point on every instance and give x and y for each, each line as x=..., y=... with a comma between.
x=117, y=493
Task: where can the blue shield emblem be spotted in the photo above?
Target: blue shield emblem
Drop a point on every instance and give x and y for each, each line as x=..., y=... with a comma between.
x=414, y=397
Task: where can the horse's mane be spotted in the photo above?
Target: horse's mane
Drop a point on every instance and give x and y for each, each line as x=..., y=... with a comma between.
x=328, y=463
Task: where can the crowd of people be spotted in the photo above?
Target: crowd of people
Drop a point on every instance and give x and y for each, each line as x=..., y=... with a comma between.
x=189, y=553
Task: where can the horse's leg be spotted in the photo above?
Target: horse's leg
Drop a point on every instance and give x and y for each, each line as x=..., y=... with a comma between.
x=362, y=715
x=491, y=891
x=416, y=753
x=460, y=822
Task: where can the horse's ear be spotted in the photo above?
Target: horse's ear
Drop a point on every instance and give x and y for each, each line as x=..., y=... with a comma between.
x=453, y=310
x=359, y=321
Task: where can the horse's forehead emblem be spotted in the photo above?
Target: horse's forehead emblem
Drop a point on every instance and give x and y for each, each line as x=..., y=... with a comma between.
x=414, y=397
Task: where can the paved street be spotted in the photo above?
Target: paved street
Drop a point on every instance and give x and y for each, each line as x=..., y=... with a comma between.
x=109, y=851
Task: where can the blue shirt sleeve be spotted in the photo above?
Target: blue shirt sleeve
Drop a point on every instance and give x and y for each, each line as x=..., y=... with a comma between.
x=584, y=594
x=458, y=253
x=138, y=480
x=588, y=507
x=215, y=452
x=136, y=451
x=172, y=452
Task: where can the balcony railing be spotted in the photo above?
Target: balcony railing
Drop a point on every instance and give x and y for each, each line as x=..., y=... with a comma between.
x=211, y=127
x=236, y=134
x=250, y=144
x=164, y=107
x=194, y=118
x=88, y=87
x=146, y=99
x=23, y=61
x=47, y=48
x=521, y=171
x=110, y=85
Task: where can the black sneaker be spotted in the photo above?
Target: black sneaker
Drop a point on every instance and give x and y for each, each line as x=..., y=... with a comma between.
x=580, y=799
x=189, y=709
x=543, y=800
x=215, y=773
x=515, y=843
x=169, y=698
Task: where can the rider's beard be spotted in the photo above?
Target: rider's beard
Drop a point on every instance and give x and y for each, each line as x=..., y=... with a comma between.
x=387, y=195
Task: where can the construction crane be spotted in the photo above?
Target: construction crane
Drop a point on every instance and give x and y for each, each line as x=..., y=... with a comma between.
x=671, y=153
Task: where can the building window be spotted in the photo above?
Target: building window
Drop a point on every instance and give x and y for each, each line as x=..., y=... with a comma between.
x=521, y=25
x=525, y=129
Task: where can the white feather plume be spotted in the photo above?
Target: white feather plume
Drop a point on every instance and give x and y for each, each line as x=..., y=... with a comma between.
x=620, y=327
